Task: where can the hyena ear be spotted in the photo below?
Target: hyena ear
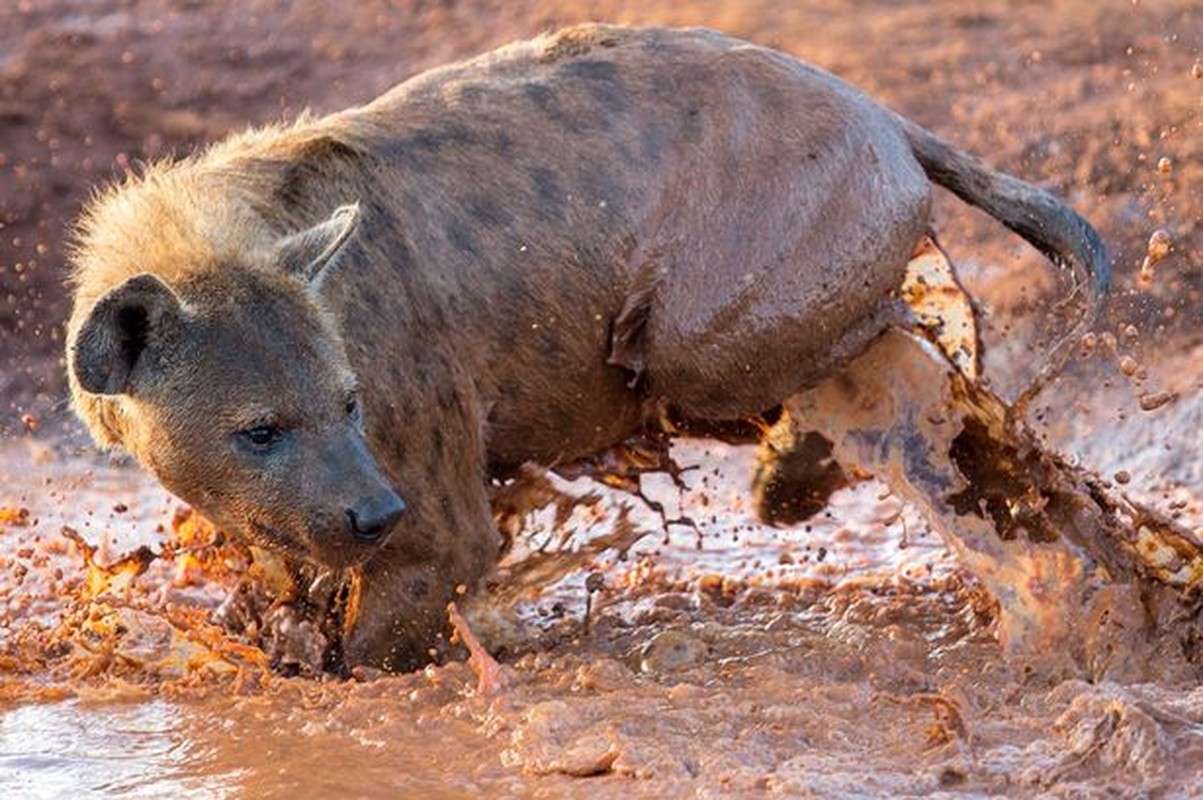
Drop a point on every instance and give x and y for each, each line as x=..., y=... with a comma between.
x=313, y=253
x=110, y=348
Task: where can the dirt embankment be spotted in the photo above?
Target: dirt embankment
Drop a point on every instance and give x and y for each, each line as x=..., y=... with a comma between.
x=1096, y=101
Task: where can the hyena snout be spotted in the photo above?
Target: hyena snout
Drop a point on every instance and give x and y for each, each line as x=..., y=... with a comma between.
x=359, y=505
x=372, y=517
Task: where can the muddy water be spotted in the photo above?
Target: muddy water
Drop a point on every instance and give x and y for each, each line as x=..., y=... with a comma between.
x=848, y=657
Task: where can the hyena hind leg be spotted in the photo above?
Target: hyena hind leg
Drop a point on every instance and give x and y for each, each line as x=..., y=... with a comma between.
x=796, y=473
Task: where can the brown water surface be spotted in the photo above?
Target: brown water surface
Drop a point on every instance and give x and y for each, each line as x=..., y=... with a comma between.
x=849, y=657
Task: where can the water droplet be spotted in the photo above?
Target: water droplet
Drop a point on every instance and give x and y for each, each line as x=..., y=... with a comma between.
x=1090, y=343
x=1159, y=247
x=1155, y=400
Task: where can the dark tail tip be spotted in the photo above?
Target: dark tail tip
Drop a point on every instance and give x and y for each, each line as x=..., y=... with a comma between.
x=1094, y=258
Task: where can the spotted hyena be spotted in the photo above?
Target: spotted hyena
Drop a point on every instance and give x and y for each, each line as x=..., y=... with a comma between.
x=328, y=336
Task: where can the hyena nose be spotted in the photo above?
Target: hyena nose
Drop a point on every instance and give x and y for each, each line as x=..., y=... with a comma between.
x=369, y=520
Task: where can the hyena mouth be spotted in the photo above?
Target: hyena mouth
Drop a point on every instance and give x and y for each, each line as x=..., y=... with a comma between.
x=332, y=556
x=270, y=538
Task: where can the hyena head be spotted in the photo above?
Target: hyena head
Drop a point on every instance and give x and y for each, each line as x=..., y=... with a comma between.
x=232, y=386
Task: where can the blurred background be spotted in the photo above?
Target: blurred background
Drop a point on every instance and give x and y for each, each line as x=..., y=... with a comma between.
x=1098, y=101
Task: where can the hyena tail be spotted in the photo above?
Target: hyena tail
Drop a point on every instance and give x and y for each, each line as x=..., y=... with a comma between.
x=1050, y=225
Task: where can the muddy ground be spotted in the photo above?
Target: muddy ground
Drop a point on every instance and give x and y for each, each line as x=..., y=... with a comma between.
x=847, y=658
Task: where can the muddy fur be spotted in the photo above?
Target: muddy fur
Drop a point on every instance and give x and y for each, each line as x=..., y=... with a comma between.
x=516, y=258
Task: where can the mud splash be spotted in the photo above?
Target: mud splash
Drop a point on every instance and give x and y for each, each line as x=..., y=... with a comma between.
x=117, y=679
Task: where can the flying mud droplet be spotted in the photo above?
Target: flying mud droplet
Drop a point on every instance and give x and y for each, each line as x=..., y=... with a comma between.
x=1123, y=477
x=595, y=582
x=1159, y=247
x=1196, y=70
x=1165, y=166
x=1128, y=366
x=1089, y=343
x=12, y=515
x=1155, y=400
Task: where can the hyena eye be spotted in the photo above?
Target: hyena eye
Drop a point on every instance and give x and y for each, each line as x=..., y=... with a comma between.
x=352, y=407
x=262, y=437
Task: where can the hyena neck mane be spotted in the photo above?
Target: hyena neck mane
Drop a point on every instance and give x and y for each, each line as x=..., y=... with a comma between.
x=226, y=206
